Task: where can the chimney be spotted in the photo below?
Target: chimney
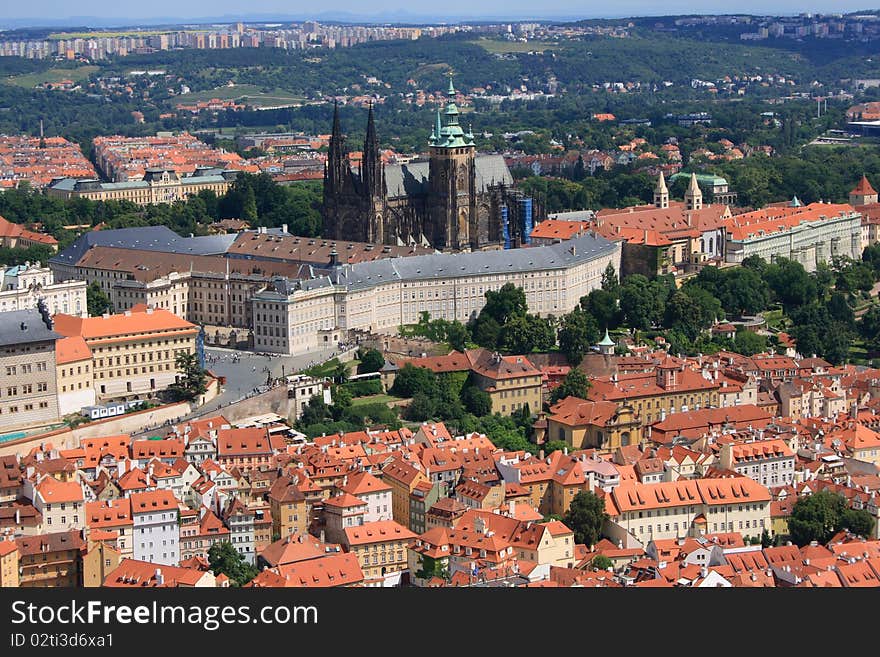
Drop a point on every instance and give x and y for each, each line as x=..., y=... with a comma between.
x=160, y=580
x=323, y=536
x=511, y=508
x=284, y=228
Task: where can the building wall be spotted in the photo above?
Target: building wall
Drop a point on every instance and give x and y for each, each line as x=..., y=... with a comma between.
x=156, y=537
x=809, y=243
x=381, y=558
x=141, y=194
x=75, y=388
x=68, y=297
x=133, y=366
x=288, y=517
x=59, y=569
x=9, y=576
x=28, y=386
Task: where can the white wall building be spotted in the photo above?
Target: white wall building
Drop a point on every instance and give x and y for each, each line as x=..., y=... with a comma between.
x=156, y=533
x=24, y=285
x=381, y=295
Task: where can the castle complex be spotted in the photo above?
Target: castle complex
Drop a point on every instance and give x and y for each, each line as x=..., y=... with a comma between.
x=455, y=200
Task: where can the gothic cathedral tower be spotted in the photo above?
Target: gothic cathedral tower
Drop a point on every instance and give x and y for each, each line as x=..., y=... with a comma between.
x=452, y=173
x=336, y=175
x=373, y=185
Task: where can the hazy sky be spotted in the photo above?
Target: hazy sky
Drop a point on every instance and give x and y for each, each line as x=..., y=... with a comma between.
x=55, y=9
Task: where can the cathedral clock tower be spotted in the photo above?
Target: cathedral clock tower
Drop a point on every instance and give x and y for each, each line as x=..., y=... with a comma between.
x=452, y=175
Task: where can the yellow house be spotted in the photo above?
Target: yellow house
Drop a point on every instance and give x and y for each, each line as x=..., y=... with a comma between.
x=288, y=506
x=8, y=564
x=511, y=382
x=101, y=560
x=381, y=548
x=403, y=478
x=551, y=482
x=602, y=425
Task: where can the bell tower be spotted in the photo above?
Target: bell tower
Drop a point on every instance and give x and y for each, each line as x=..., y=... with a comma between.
x=661, y=193
x=372, y=176
x=693, y=197
x=452, y=174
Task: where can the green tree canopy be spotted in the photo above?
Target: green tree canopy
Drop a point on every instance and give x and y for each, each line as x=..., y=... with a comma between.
x=585, y=517
x=371, y=361
x=820, y=516
x=192, y=382
x=577, y=333
x=224, y=558
x=97, y=301
x=575, y=384
x=412, y=380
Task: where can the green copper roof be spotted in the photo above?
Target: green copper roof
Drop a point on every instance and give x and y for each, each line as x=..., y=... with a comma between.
x=607, y=341
x=451, y=134
x=702, y=178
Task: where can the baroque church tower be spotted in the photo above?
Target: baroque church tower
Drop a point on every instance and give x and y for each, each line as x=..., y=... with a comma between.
x=452, y=195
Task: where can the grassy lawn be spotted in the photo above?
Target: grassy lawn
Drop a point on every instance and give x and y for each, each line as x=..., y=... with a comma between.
x=248, y=93
x=502, y=47
x=774, y=318
x=373, y=399
x=31, y=80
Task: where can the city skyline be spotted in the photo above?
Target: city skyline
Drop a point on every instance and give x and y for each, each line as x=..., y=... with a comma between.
x=100, y=12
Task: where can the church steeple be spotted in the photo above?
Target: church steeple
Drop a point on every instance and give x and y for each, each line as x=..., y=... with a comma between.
x=337, y=158
x=450, y=135
x=371, y=165
x=693, y=197
x=661, y=193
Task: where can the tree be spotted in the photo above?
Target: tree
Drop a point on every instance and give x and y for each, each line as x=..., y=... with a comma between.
x=642, y=302
x=790, y=283
x=742, y=291
x=602, y=306
x=766, y=541
x=371, y=361
x=476, y=401
x=610, y=282
x=601, y=562
x=412, y=380
x=224, y=558
x=575, y=384
x=869, y=327
x=585, y=517
x=523, y=334
x=97, y=302
x=192, y=382
x=691, y=310
x=340, y=373
x=579, y=172
x=315, y=411
x=749, y=343
x=577, y=332
x=507, y=302
x=421, y=408
x=486, y=331
x=457, y=335
x=819, y=516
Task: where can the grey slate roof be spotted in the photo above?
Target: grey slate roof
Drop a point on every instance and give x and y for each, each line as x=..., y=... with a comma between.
x=23, y=327
x=146, y=238
x=480, y=263
x=412, y=179
x=74, y=184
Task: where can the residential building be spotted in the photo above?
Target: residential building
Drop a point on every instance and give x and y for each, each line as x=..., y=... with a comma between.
x=672, y=387
x=403, y=477
x=112, y=521
x=158, y=186
x=246, y=449
x=15, y=236
x=156, y=532
x=98, y=562
x=341, y=512
x=140, y=574
x=769, y=462
x=381, y=549
x=641, y=513
x=240, y=520
x=9, y=569
x=50, y=560
x=61, y=503
x=806, y=234
x=28, y=376
x=328, y=571
x=288, y=506
x=374, y=492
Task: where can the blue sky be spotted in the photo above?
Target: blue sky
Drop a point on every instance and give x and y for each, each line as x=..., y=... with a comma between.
x=57, y=9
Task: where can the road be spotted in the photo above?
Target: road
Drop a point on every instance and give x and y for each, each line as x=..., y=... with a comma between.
x=245, y=371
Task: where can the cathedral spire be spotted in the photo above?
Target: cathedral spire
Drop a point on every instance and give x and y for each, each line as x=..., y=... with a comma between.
x=371, y=164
